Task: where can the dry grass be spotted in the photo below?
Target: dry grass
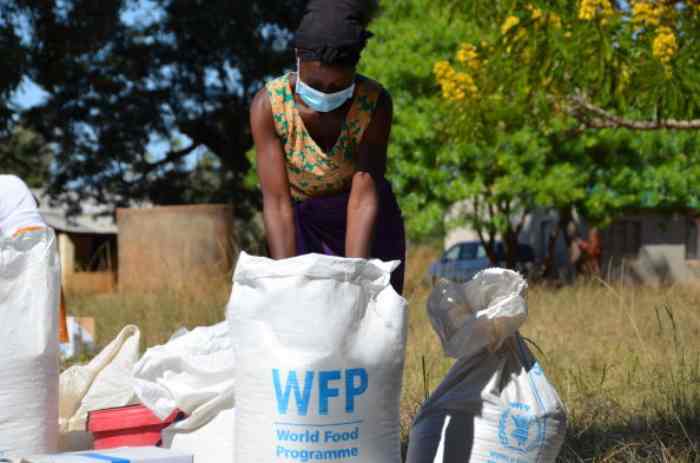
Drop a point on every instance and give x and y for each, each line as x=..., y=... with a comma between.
x=158, y=314
x=626, y=361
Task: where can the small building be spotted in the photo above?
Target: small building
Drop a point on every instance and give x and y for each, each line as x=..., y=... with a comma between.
x=644, y=246
x=652, y=247
x=87, y=244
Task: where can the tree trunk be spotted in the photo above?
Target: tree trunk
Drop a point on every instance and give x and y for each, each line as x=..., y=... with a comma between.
x=511, y=249
x=489, y=244
x=549, y=260
x=566, y=216
x=561, y=229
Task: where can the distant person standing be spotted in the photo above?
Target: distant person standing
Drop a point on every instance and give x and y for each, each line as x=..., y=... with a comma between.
x=19, y=214
x=321, y=136
x=591, y=252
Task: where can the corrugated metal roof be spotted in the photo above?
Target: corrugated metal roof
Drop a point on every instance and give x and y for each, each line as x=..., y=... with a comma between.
x=82, y=223
x=93, y=219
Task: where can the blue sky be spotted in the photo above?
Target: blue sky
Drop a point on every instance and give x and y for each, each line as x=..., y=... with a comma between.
x=139, y=12
x=28, y=95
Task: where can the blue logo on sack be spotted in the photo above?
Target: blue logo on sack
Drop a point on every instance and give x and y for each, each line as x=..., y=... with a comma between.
x=519, y=430
x=537, y=369
x=354, y=383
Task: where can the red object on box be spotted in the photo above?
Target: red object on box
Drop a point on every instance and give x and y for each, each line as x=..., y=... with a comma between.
x=130, y=426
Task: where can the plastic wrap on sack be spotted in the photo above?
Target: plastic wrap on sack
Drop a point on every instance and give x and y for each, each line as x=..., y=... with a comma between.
x=481, y=313
x=30, y=275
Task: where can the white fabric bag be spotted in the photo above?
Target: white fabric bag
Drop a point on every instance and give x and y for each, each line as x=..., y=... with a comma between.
x=105, y=382
x=192, y=372
x=29, y=300
x=495, y=404
x=320, y=345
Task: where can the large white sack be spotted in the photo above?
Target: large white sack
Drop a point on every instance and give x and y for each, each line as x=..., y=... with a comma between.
x=320, y=345
x=105, y=382
x=192, y=372
x=496, y=404
x=29, y=301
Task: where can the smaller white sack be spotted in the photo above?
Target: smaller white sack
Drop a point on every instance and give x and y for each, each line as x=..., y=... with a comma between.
x=495, y=404
x=105, y=382
x=192, y=372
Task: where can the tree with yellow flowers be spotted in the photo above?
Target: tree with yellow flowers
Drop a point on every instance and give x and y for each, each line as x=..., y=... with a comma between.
x=608, y=64
x=548, y=72
x=494, y=137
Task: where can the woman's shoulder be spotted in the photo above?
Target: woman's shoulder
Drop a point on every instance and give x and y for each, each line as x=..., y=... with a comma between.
x=371, y=86
x=278, y=81
x=371, y=94
x=279, y=86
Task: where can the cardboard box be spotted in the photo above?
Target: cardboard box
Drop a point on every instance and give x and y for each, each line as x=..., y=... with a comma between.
x=122, y=455
x=81, y=337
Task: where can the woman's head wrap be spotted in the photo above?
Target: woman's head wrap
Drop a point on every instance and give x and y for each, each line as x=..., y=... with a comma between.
x=334, y=31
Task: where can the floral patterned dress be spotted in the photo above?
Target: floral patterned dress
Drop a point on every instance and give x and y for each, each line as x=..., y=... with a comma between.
x=312, y=172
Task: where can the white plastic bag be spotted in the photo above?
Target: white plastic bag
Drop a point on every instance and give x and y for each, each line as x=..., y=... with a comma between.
x=192, y=372
x=29, y=300
x=483, y=312
x=105, y=382
x=320, y=345
x=495, y=404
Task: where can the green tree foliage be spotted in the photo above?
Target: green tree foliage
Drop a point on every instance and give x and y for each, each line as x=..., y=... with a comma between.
x=122, y=73
x=629, y=170
x=553, y=71
x=25, y=154
x=13, y=57
x=410, y=35
x=498, y=182
x=495, y=163
x=607, y=63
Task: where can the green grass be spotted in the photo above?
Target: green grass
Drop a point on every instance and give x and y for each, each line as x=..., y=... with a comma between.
x=625, y=360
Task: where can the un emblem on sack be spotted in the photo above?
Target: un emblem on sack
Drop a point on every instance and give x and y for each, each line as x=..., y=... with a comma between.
x=537, y=369
x=519, y=430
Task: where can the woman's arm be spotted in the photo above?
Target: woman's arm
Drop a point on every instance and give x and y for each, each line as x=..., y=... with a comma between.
x=277, y=203
x=363, y=205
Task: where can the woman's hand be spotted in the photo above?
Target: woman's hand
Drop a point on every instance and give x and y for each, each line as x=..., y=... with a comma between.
x=278, y=213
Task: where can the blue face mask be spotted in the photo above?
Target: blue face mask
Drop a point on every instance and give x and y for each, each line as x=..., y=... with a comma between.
x=320, y=101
